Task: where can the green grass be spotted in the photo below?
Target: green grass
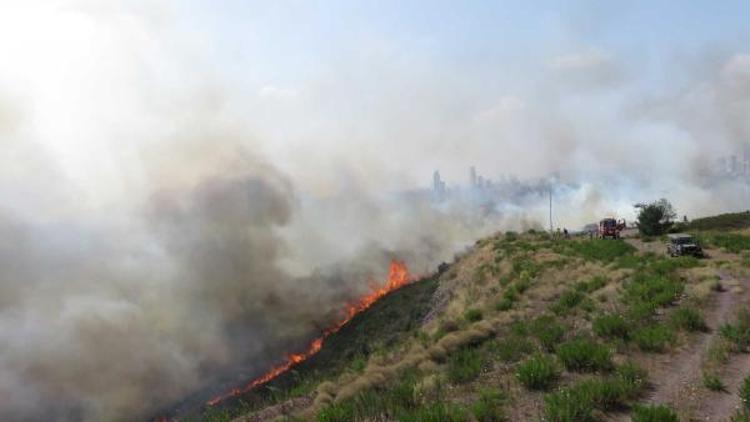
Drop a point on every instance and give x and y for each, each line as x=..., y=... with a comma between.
x=688, y=318
x=732, y=242
x=729, y=221
x=653, y=413
x=634, y=380
x=490, y=407
x=738, y=333
x=567, y=301
x=601, y=250
x=511, y=348
x=473, y=315
x=744, y=393
x=464, y=365
x=548, y=331
x=713, y=382
x=585, y=355
x=612, y=326
x=651, y=289
x=538, y=372
x=653, y=338
x=592, y=285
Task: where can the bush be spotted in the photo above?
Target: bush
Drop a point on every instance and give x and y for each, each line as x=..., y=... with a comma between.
x=473, y=315
x=653, y=338
x=688, y=318
x=654, y=413
x=585, y=355
x=504, y=304
x=489, y=407
x=655, y=218
x=654, y=290
x=464, y=365
x=713, y=382
x=538, y=373
x=744, y=393
x=611, y=326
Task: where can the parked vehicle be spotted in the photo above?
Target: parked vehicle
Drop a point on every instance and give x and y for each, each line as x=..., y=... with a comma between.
x=679, y=244
x=609, y=227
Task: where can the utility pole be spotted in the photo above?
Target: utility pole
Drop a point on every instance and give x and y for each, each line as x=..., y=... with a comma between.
x=550, y=210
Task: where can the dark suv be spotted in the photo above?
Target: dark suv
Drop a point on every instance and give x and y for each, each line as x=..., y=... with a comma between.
x=680, y=244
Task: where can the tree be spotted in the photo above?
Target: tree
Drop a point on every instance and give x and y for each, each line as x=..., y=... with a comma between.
x=655, y=218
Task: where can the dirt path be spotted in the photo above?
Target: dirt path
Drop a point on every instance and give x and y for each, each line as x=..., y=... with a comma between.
x=677, y=378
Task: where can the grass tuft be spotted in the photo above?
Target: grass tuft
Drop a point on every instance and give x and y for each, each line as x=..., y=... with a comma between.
x=585, y=355
x=538, y=372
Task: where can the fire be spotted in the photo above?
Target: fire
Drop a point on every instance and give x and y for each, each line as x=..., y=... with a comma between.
x=398, y=276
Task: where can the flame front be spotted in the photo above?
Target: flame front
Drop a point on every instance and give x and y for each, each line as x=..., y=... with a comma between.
x=398, y=276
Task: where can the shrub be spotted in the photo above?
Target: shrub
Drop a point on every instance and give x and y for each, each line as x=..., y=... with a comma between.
x=713, y=382
x=653, y=338
x=489, y=407
x=538, y=373
x=688, y=318
x=611, y=326
x=654, y=413
x=744, y=393
x=464, y=365
x=511, y=348
x=473, y=315
x=655, y=218
x=585, y=355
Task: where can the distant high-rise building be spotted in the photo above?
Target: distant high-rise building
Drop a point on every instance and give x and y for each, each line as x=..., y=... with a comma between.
x=472, y=177
x=438, y=186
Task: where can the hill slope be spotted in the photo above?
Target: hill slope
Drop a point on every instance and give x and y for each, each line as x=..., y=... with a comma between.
x=525, y=327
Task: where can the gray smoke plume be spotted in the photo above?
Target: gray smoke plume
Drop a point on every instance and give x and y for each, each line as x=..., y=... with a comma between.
x=176, y=204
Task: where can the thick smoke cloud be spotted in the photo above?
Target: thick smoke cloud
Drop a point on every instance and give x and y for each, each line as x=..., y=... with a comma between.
x=170, y=222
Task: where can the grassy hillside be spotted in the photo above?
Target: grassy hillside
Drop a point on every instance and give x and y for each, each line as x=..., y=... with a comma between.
x=526, y=327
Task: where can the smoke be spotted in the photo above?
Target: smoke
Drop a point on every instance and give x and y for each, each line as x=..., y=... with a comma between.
x=180, y=207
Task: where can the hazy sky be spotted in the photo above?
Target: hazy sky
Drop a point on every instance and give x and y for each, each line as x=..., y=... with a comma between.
x=364, y=93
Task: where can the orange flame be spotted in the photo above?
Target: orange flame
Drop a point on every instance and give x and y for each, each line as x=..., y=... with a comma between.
x=398, y=276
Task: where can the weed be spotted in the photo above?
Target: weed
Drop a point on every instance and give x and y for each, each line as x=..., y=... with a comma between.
x=338, y=412
x=538, y=372
x=655, y=290
x=601, y=250
x=653, y=338
x=732, y=242
x=464, y=365
x=713, y=382
x=611, y=326
x=654, y=413
x=689, y=319
x=585, y=355
x=568, y=405
x=473, y=315
x=504, y=304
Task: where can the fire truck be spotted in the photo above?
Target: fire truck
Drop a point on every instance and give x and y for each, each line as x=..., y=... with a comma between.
x=609, y=227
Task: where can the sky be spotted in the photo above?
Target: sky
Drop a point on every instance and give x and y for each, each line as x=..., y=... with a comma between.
x=191, y=187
